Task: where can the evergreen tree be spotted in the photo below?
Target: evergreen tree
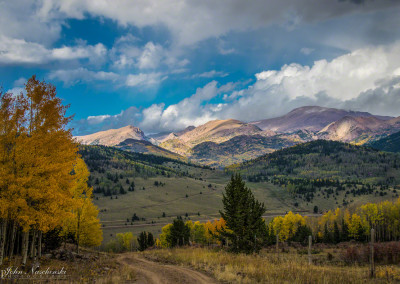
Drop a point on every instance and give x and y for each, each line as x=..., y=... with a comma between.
x=180, y=234
x=345, y=232
x=301, y=235
x=336, y=233
x=142, y=240
x=150, y=239
x=327, y=235
x=243, y=215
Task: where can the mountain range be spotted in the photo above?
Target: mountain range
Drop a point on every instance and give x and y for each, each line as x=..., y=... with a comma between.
x=230, y=141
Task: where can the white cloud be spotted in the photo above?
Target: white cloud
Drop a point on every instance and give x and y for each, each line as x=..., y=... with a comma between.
x=307, y=50
x=342, y=78
x=20, y=82
x=365, y=79
x=75, y=76
x=193, y=21
x=210, y=74
x=96, y=123
x=151, y=56
x=126, y=53
x=78, y=52
x=97, y=119
x=16, y=91
x=189, y=111
x=29, y=20
x=145, y=79
x=19, y=51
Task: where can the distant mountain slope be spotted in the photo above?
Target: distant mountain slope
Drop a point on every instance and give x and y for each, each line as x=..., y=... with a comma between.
x=237, y=149
x=158, y=138
x=390, y=143
x=358, y=129
x=325, y=159
x=350, y=128
x=312, y=118
x=142, y=146
x=112, y=137
x=216, y=131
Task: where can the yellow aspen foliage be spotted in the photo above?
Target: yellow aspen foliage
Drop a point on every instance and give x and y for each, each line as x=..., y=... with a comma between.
x=165, y=232
x=209, y=230
x=126, y=239
x=355, y=226
x=287, y=226
x=158, y=243
x=37, y=155
x=190, y=226
x=82, y=220
x=199, y=233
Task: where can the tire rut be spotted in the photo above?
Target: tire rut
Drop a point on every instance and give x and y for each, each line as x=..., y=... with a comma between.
x=149, y=272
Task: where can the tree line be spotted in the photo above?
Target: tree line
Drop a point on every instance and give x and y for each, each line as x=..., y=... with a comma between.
x=242, y=229
x=43, y=180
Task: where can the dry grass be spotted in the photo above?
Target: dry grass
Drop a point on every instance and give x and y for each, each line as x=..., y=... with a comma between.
x=92, y=267
x=268, y=268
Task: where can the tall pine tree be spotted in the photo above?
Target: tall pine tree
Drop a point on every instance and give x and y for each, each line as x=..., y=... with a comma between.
x=246, y=228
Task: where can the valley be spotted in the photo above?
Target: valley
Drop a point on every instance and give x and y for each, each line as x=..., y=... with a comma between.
x=319, y=174
x=296, y=162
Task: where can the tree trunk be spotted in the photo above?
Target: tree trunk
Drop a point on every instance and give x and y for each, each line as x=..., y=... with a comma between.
x=78, y=232
x=35, y=235
x=25, y=246
x=3, y=229
x=18, y=242
x=12, y=239
x=32, y=248
x=40, y=244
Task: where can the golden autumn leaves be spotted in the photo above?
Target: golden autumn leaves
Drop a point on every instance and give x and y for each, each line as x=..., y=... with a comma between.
x=43, y=182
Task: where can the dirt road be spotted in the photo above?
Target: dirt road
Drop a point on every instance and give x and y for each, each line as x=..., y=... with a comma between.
x=149, y=272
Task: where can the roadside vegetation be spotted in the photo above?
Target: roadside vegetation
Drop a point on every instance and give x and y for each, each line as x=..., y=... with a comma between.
x=289, y=266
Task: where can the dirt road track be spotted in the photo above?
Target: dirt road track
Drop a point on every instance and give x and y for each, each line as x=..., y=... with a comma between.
x=149, y=272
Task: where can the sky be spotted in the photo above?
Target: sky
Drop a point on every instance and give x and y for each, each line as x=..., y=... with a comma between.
x=165, y=65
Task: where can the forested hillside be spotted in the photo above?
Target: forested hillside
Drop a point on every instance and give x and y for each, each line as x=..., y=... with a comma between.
x=327, y=169
x=238, y=149
x=113, y=170
x=388, y=144
x=325, y=159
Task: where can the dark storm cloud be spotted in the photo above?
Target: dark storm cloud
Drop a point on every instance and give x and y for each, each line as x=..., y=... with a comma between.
x=383, y=100
x=354, y=1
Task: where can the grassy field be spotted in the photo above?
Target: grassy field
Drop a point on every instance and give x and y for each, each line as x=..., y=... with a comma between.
x=178, y=197
x=194, y=197
x=268, y=267
x=190, y=191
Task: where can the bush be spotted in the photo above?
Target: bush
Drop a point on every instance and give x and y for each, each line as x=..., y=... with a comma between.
x=384, y=253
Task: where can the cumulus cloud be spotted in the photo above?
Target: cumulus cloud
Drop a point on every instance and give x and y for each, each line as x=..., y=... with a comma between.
x=130, y=116
x=20, y=51
x=384, y=99
x=189, y=111
x=145, y=79
x=210, y=74
x=29, y=20
x=151, y=56
x=365, y=79
x=342, y=78
x=20, y=82
x=193, y=21
x=79, y=75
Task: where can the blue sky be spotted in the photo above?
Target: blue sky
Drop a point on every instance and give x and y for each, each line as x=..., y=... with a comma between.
x=165, y=65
